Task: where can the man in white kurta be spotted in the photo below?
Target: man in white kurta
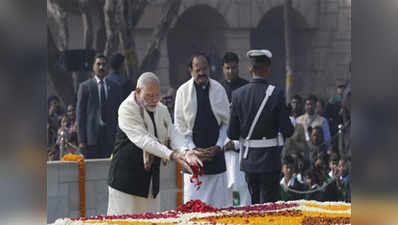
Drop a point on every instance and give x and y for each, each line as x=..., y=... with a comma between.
x=145, y=131
x=201, y=115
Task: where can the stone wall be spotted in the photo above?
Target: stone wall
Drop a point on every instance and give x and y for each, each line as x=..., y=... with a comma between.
x=63, y=188
x=331, y=48
x=320, y=66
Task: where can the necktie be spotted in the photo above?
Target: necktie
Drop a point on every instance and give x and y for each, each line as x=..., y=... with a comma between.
x=102, y=103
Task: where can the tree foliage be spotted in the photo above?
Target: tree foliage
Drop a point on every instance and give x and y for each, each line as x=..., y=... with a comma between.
x=108, y=26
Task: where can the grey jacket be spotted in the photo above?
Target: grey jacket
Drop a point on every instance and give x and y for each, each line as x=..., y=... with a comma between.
x=88, y=112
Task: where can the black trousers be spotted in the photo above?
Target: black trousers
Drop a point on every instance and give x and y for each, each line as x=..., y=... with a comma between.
x=263, y=187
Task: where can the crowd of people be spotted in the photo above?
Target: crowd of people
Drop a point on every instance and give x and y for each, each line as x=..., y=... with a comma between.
x=317, y=157
x=249, y=143
x=61, y=129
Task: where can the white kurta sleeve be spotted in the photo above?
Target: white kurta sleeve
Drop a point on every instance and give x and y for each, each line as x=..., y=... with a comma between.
x=222, y=136
x=133, y=126
x=189, y=142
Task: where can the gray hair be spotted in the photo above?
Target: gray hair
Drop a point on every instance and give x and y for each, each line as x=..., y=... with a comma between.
x=147, y=78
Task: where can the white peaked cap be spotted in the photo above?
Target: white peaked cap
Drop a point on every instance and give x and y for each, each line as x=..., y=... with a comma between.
x=259, y=52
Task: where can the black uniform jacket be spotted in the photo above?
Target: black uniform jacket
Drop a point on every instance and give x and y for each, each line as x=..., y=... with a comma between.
x=274, y=118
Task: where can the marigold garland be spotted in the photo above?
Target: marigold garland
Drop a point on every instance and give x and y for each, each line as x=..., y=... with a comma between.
x=329, y=206
x=82, y=189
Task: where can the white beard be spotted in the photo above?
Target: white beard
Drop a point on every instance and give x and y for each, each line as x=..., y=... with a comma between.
x=147, y=107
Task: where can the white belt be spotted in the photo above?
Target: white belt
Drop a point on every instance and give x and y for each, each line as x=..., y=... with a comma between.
x=260, y=143
x=263, y=143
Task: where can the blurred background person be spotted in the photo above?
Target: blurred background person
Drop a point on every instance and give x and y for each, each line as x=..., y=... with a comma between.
x=66, y=138
x=230, y=68
x=333, y=108
x=116, y=74
x=53, y=124
x=289, y=181
x=312, y=119
x=320, y=107
x=317, y=145
x=296, y=108
x=343, y=180
x=169, y=100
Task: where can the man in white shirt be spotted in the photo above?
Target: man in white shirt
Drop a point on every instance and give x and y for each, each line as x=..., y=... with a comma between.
x=312, y=119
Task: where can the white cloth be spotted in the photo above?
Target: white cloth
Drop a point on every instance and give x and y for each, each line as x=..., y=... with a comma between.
x=186, y=105
x=245, y=197
x=300, y=178
x=141, y=131
x=331, y=175
x=293, y=121
x=211, y=191
x=285, y=184
x=121, y=203
x=235, y=177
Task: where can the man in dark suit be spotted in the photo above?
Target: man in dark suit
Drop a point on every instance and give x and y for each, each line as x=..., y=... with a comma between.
x=98, y=100
x=259, y=140
x=115, y=75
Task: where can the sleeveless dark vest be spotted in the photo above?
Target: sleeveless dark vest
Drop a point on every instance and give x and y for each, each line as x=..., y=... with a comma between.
x=127, y=173
x=206, y=131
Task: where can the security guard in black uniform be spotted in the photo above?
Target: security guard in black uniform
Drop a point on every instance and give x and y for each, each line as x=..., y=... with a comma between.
x=258, y=114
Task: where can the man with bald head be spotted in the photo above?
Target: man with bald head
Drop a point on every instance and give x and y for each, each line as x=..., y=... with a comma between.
x=201, y=114
x=142, y=141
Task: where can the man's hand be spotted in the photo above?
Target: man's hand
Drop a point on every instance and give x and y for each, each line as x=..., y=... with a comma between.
x=191, y=158
x=180, y=159
x=230, y=146
x=148, y=164
x=214, y=149
x=203, y=154
x=206, y=154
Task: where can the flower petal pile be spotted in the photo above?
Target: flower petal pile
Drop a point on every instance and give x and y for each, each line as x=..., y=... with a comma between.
x=196, y=212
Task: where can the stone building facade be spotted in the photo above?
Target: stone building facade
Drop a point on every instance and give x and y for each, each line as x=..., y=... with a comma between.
x=321, y=39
